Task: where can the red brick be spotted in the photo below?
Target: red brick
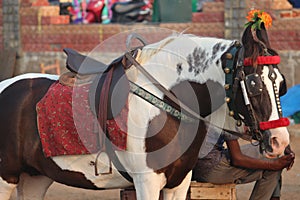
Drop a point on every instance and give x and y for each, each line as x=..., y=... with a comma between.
x=61, y=19
x=35, y=47
x=26, y=3
x=213, y=7
x=294, y=45
x=40, y=3
x=208, y=17
x=29, y=20
x=29, y=11
x=49, y=10
x=286, y=14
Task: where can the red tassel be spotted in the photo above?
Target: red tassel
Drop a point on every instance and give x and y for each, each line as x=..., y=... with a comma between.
x=274, y=123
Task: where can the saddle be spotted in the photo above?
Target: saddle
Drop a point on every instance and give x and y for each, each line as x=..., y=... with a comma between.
x=108, y=82
x=83, y=65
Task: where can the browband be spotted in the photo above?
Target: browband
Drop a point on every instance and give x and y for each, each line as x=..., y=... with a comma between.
x=262, y=60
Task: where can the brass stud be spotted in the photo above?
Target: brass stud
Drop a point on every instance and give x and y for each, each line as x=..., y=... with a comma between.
x=227, y=99
x=227, y=70
x=237, y=43
x=229, y=56
x=239, y=123
x=227, y=86
x=231, y=113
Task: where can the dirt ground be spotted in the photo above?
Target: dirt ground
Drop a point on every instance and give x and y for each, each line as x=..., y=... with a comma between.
x=290, y=188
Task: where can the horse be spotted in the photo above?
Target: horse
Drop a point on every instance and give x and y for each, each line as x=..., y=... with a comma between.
x=164, y=135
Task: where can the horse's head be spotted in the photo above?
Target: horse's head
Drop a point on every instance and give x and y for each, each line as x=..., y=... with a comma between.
x=257, y=86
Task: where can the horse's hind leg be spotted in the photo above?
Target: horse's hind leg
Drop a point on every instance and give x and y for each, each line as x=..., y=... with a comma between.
x=6, y=189
x=179, y=192
x=33, y=187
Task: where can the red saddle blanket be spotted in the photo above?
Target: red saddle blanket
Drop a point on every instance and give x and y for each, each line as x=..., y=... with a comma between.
x=67, y=125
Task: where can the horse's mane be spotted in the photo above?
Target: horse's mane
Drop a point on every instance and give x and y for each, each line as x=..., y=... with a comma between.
x=253, y=49
x=152, y=49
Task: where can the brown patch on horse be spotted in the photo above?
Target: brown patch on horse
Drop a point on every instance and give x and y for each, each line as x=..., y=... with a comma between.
x=183, y=139
x=20, y=146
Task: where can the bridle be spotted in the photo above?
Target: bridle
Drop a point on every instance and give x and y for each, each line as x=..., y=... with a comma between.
x=251, y=85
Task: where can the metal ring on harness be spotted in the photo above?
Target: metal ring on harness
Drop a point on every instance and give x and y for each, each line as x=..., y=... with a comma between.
x=134, y=36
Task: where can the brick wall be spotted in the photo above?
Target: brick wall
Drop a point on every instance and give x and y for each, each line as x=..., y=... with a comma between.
x=45, y=33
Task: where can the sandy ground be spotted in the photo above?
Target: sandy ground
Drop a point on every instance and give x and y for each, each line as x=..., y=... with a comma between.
x=290, y=188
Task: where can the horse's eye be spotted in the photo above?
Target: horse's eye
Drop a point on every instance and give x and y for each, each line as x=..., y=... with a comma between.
x=282, y=87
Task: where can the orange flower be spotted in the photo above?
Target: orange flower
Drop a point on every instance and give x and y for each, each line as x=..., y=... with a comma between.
x=267, y=19
x=258, y=16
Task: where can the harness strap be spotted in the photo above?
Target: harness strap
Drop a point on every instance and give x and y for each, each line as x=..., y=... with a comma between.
x=102, y=118
x=231, y=83
x=180, y=104
x=159, y=103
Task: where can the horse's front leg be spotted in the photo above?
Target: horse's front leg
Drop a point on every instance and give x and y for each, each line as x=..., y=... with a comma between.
x=33, y=187
x=6, y=189
x=179, y=192
x=148, y=185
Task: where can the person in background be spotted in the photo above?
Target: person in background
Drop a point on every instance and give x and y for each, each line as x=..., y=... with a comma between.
x=243, y=164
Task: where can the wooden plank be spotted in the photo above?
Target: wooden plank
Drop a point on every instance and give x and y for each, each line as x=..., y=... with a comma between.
x=197, y=191
x=212, y=191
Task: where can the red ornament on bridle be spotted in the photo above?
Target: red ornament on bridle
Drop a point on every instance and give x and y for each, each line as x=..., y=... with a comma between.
x=263, y=60
x=281, y=122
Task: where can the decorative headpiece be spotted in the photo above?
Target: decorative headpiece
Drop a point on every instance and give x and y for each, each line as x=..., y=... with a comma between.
x=256, y=17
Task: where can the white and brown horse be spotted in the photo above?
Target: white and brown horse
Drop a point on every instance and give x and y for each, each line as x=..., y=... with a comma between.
x=162, y=144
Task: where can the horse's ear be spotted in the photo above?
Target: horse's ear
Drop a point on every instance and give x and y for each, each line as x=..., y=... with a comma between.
x=262, y=35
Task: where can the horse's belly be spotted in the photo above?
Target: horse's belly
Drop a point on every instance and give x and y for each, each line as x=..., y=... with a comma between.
x=82, y=164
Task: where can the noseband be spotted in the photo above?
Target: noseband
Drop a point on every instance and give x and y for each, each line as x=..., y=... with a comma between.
x=251, y=85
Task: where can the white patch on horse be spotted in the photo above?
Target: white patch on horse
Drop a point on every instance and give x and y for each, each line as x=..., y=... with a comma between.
x=5, y=83
x=6, y=189
x=81, y=164
x=280, y=136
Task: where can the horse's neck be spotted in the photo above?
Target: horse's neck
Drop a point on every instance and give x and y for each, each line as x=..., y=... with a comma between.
x=185, y=57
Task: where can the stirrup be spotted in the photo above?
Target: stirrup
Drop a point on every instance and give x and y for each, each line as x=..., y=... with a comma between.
x=95, y=163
